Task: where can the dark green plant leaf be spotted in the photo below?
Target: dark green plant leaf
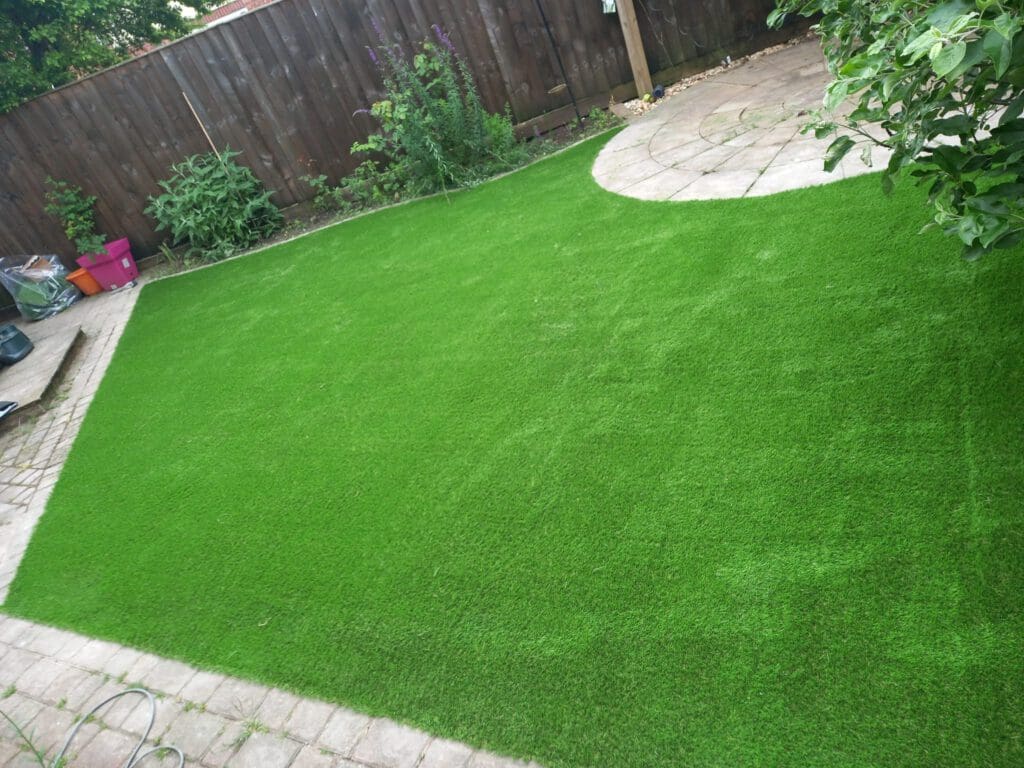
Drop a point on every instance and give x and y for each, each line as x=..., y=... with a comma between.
x=837, y=150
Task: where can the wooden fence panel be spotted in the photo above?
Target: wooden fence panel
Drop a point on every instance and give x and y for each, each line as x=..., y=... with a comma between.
x=285, y=84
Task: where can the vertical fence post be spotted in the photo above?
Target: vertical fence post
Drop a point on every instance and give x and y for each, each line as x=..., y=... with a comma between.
x=634, y=47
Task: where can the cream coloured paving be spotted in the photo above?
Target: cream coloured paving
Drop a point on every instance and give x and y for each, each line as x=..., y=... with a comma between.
x=734, y=134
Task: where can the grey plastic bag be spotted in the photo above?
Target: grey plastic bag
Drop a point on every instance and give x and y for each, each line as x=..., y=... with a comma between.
x=38, y=285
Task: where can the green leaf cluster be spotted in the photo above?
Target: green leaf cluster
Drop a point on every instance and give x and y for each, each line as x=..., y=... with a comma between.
x=215, y=206
x=433, y=132
x=943, y=79
x=76, y=213
x=47, y=43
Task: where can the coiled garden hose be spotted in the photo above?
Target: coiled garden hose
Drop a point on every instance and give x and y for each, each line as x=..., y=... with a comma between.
x=135, y=758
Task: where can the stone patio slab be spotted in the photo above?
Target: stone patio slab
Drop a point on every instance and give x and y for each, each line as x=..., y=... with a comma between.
x=739, y=129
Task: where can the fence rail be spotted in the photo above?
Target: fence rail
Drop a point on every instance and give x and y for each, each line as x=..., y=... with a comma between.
x=283, y=85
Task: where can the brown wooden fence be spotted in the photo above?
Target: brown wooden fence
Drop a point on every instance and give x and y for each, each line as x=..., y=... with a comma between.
x=283, y=84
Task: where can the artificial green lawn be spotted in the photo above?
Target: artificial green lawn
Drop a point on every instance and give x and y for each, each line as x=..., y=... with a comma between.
x=580, y=478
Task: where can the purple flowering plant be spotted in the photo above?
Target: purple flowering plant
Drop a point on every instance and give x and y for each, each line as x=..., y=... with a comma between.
x=433, y=131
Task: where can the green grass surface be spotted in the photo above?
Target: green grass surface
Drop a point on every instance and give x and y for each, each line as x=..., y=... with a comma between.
x=578, y=478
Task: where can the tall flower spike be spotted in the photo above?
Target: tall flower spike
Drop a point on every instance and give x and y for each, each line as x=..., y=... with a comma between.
x=373, y=55
x=442, y=37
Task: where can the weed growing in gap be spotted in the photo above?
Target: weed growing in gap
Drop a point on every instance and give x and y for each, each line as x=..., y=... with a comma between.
x=27, y=744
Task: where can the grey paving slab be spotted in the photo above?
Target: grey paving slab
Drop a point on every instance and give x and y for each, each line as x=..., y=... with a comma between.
x=106, y=748
x=65, y=684
x=122, y=661
x=201, y=687
x=441, y=753
x=265, y=750
x=276, y=708
x=94, y=654
x=168, y=676
x=237, y=698
x=21, y=710
x=157, y=721
x=663, y=185
x=311, y=757
x=225, y=745
x=36, y=679
x=390, y=745
x=194, y=732
x=780, y=178
x=14, y=663
x=738, y=129
x=343, y=730
x=308, y=719
x=713, y=186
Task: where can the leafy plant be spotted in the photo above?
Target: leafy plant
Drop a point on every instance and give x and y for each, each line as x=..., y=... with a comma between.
x=215, y=206
x=602, y=119
x=370, y=185
x=943, y=79
x=434, y=132
x=326, y=197
x=75, y=210
x=595, y=121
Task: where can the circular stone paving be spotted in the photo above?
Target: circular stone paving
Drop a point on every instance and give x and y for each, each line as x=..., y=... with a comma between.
x=734, y=134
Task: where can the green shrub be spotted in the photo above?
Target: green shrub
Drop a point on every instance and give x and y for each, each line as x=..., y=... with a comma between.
x=943, y=79
x=215, y=206
x=75, y=211
x=434, y=133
